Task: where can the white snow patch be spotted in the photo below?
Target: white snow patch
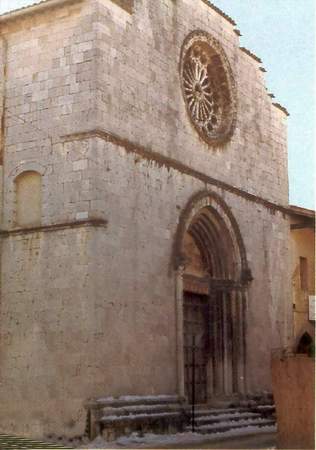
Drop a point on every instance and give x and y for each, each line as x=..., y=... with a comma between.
x=150, y=440
x=139, y=416
x=219, y=417
x=233, y=424
x=135, y=408
x=133, y=398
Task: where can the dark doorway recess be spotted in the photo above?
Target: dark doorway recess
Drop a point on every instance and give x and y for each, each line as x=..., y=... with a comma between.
x=196, y=330
x=214, y=308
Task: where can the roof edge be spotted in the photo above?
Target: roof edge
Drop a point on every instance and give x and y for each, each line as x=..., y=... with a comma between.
x=282, y=108
x=299, y=211
x=37, y=7
x=249, y=53
x=220, y=12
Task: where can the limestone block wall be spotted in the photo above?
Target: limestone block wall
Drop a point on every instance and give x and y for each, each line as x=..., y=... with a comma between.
x=51, y=95
x=3, y=50
x=54, y=90
x=143, y=212
x=89, y=309
x=138, y=83
x=90, y=312
x=45, y=313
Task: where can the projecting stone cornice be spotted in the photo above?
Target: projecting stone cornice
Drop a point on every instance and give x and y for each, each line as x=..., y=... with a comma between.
x=151, y=155
x=95, y=223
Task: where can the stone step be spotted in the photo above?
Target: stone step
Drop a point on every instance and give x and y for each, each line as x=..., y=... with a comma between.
x=215, y=411
x=134, y=400
x=139, y=409
x=114, y=417
x=133, y=418
x=231, y=425
x=264, y=408
x=224, y=417
x=248, y=403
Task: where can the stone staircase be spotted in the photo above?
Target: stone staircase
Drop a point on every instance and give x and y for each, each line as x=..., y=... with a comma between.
x=114, y=417
x=248, y=415
x=167, y=414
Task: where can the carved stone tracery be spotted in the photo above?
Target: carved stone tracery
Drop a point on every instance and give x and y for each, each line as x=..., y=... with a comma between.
x=208, y=87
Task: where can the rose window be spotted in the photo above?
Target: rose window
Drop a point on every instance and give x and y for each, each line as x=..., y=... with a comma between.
x=208, y=87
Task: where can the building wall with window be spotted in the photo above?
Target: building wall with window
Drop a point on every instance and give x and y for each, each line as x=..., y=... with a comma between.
x=303, y=271
x=103, y=158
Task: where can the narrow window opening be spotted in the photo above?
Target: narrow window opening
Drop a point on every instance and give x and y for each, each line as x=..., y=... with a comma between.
x=28, y=199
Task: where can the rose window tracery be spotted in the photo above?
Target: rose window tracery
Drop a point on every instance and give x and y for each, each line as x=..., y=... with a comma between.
x=208, y=87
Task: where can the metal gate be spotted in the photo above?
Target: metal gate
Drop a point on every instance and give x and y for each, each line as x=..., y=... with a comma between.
x=196, y=328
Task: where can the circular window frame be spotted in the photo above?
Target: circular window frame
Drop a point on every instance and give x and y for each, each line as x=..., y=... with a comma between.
x=226, y=107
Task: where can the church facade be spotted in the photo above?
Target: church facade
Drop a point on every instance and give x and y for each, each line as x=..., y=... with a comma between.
x=144, y=209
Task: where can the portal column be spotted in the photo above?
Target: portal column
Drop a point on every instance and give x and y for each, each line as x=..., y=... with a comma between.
x=244, y=323
x=241, y=342
x=227, y=322
x=179, y=331
x=210, y=364
x=235, y=342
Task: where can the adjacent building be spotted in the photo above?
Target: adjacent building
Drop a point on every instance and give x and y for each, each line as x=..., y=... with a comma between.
x=303, y=276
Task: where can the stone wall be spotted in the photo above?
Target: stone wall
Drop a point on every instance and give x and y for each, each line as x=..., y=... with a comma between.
x=139, y=84
x=44, y=317
x=88, y=302
x=51, y=96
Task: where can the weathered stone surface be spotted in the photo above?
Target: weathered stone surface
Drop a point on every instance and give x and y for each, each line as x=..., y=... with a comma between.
x=94, y=105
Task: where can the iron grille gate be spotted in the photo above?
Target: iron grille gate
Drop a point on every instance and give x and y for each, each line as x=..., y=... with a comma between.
x=196, y=323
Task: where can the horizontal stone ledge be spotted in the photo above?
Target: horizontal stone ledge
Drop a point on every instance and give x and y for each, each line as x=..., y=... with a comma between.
x=149, y=154
x=55, y=227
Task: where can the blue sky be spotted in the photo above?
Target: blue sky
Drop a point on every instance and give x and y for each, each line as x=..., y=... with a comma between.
x=282, y=34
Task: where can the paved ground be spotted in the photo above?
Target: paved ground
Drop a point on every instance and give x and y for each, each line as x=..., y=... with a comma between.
x=259, y=441
x=10, y=442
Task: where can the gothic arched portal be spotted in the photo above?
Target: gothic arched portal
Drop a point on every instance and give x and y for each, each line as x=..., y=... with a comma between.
x=212, y=279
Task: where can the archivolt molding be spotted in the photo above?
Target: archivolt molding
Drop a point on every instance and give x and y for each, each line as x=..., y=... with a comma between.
x=27, y=166
x=10, y=188
x=208, y=87
x=211, y=202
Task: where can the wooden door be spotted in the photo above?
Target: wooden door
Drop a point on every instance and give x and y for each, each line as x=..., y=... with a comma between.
x=196, y=324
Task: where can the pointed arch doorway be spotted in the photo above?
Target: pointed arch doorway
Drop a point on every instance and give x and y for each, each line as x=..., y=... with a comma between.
x=212, y=280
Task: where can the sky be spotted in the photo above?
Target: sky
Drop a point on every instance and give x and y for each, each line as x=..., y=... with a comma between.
x=282, y=34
